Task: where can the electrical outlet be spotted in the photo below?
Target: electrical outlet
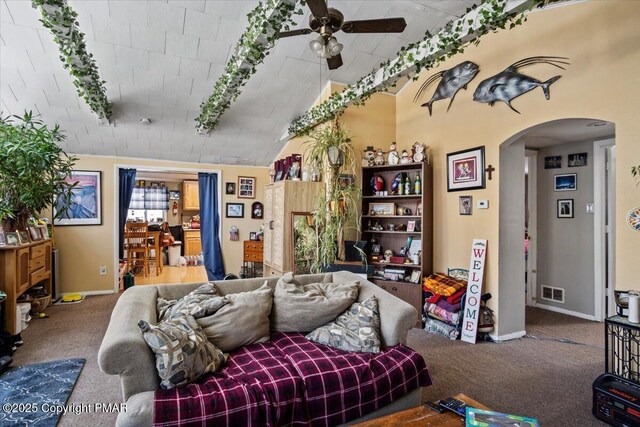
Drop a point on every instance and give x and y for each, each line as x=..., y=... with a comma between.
x=103, y=270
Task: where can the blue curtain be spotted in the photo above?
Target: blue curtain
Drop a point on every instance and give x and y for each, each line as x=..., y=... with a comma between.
x=127, y=182
x=209, y=225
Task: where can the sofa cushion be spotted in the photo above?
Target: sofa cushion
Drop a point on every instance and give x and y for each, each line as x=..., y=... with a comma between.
x=182, y=350
x=244, y=320
x=303, y=307
x=201, y=302
x=357, y=329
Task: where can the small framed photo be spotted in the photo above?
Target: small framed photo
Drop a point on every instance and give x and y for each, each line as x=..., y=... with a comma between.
x=411, y=226
x=155, y=184
x=35, y=233
x=253, y=236
x=375, y=249
x=12, y=238
x=465, y=205
x=3, y=241
x=415, y=276
x=577, y=159
x=565, y=182
x=465, y=169
x=23, y=236
x=382, y=209
x=553, y=162
x=346, y=181
x=257, y=210
x=565, y=208
x=174, y=195
x=235, y=210
x=230, y=188
x=246, y=187
x=44, y=232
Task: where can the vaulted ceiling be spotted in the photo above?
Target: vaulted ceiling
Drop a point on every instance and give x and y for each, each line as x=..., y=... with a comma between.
x=160, y=60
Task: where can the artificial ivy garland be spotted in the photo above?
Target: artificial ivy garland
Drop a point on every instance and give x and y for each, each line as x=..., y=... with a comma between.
x=415, y=57
x=60, y=19
x=265, y=23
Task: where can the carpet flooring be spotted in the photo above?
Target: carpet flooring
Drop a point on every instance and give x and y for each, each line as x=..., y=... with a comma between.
x=540, y=377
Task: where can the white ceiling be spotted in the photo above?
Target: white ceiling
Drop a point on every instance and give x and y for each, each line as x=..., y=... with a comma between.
x=567, y=130
x=160, y=60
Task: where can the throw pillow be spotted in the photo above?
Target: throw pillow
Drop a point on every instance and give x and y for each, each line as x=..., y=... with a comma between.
x=201, y=302
x=244, y=320
x=303, y=308
x=357, y=329
x=182, y=350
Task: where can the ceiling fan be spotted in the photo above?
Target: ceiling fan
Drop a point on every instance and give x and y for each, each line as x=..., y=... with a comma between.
x=326, y=20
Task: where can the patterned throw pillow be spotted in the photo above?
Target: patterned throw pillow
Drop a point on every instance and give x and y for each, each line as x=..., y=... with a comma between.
x=182, y=350
x=201, y=302
x=357, y=329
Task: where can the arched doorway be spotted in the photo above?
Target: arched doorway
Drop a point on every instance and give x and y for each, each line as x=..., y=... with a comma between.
x=556, y=187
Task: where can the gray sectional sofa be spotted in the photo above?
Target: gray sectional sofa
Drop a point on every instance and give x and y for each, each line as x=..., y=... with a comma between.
x=125, y=353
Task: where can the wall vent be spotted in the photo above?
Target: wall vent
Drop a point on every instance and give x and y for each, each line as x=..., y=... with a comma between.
x=551, y=293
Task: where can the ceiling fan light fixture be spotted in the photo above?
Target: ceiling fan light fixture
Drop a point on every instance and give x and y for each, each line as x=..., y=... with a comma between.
x=325, y=53
x=334, y=47
x=317, y=45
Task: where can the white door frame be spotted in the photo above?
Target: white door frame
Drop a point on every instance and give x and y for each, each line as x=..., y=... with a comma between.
x=601, y=228
x=116, y=204
x=532, y=190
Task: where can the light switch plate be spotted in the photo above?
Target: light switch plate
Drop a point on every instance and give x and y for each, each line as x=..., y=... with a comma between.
x=483, y=204
x=589, y=208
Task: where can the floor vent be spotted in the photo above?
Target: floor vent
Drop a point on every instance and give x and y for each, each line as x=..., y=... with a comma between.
x=551, y=293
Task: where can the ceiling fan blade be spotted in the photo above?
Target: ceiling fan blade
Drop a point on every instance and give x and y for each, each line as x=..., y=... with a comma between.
x=292, y=33
x=387, y=25
x=318, y=8
x=334, y=62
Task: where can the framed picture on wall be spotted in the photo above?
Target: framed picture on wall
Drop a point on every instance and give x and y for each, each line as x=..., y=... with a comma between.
x=85, y=207
x=553, y=162
x=565, y=208
x=235, y=210
x=246, y=187
x=464, y=205
x=577, y=159
x=230, y=188
x=174, y=195
x=565, y=182
x=465, y=169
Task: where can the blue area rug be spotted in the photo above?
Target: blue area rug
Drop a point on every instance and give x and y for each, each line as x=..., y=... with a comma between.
x=34, y=395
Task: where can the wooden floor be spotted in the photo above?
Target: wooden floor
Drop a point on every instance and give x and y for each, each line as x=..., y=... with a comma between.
x=172, y=274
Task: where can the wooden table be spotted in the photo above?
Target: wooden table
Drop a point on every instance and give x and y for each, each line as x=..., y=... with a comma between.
x=422, y=416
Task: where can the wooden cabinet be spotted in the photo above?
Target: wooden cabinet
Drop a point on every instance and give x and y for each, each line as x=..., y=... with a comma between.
x=22, y=267
x=282, y=199
x=253, y=251
x=190, y=196
x=192, y=242
x=404, y=223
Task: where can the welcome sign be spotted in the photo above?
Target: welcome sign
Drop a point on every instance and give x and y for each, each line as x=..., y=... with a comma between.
x=474, y=291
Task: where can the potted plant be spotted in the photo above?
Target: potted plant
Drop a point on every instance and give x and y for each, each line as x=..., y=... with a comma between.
x=33, y=169
x=336, y=208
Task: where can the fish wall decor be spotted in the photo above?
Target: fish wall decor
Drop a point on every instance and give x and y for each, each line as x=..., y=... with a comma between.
x=453, y=80
x=510, y=84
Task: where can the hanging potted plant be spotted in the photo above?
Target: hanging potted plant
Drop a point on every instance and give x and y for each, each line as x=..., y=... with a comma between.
x=336, y=209
x=33, y=169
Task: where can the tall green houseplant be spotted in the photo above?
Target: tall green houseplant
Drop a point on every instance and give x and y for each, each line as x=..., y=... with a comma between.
x=336, y=209
x=33, y=168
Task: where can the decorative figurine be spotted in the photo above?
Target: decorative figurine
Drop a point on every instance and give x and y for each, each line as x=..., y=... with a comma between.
x=369, y=156
x=387, y=255
x=379, y=160
x=392, y=156
x=377, y=183
x=405, y=158
x=419, y=153
x=419, y=210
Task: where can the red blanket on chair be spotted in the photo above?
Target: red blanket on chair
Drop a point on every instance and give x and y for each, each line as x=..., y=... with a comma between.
x=290, y=380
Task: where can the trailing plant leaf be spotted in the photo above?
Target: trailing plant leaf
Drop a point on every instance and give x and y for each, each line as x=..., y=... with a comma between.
x=635, y=172
x=33, y=168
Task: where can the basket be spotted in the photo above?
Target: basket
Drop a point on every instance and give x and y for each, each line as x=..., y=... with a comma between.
x=39, y=304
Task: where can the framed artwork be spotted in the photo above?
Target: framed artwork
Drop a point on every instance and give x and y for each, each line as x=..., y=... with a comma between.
x=235, y=210
x=553, y=162
x=375, y=249
x=44, y=231
x=346, y=181
x=253, y=236
x=230, y=188
x=86, y=200
x=565, y=208
x=411, y=226
x=577, y=160
x=382, y=209
x=174, y=195
x=415, y=276
x=565, y=182
x=465, y=169
x=12, y=238
x=257, y=210
x=23, y=236
x=35, y=233
x=414, y=247
x=3, y=241
x=465, y=205
x=246, y=187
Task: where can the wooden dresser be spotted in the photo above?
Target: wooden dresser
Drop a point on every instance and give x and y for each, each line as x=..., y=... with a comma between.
x=22, y=267
x=252, y=258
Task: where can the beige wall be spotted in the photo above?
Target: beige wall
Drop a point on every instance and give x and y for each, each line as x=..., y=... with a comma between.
x=602, y=82
x=84, y=248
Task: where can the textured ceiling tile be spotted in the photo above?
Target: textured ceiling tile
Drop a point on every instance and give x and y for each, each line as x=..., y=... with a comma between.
x=111, y=31
x=101, y=150
x=202, y=88
x=191, y=68
x=133, y=94
x=167, y=17
x=62, y=99
x=148, y=39
x=388, y=47
x=163, y=98
x=15, y=57
x=152, y=132
x=95, y=130
x=198, y=5
x=167, y=64
x=129, y=130
x=10, y=75
x=122, y=74
x=178, y=84
x=5, y=14
x=21, y=13
x=90, y=140
x=176, y=114
x=149, y=79
x=103, y=53
x=24, y=37
x=200, y=24
x=213, y=159
x=228, y=9
x=217, y=70
x=181, y=45
x=132, y=12
x=72, y=128
x=114, y=142
x=54, y=114
x=29, y=95
x=230, y=30
x=136, y=58
x=85, y=8
x=213, y=51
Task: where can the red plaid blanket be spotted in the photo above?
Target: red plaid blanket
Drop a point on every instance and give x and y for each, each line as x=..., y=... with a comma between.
x=292, y=381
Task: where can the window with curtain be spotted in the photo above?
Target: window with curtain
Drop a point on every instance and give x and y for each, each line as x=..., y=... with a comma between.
x=149, y=204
